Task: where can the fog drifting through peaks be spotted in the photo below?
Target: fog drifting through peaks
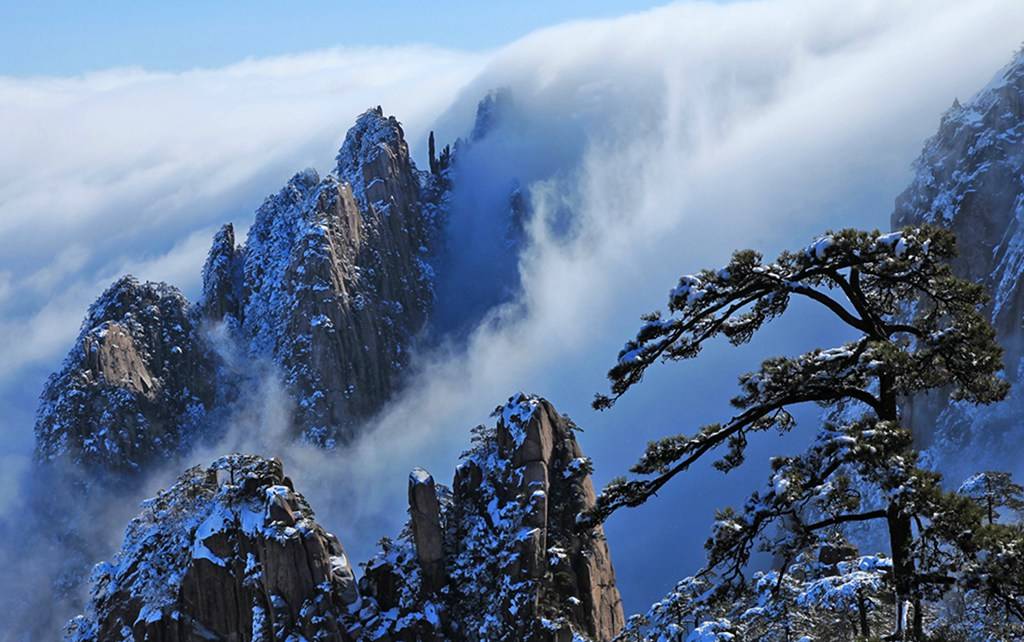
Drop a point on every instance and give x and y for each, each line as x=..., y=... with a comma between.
x=670, y=138
x=650, y=146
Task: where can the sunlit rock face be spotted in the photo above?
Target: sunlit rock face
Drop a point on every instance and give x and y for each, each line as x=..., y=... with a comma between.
x=970, y=179
x=229, y=552
x=499, y=556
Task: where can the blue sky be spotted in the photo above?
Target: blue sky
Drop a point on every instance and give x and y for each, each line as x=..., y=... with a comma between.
x=69, y=37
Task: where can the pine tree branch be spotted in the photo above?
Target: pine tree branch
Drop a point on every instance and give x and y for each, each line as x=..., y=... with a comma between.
x=854, y=294
x=842, y=519
x=831, y=304
x=705, y=443
x=895, y=328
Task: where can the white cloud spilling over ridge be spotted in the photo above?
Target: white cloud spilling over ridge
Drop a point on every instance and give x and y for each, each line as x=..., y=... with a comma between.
x=651, y=145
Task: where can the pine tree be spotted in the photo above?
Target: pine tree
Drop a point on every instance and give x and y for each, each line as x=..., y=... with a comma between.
x=919, y=328
x=993, y=490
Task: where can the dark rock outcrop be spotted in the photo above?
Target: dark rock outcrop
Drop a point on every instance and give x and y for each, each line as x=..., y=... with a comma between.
x=134, y=386
x=427, y=532
x=970, y=179
x=230, y=552
x=515, y=567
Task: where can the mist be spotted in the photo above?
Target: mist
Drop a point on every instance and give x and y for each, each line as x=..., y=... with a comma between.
x=672, y=138
x=647, y=146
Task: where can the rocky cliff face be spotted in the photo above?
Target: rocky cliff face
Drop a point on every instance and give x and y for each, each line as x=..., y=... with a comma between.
x=230, y=552
x=970, y=179
x=497, y=556
x=332, y=285
x=133, y=387
x=333, y=282
x=233, y=552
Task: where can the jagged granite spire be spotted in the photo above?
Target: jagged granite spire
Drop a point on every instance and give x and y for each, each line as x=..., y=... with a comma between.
x=335, y=281
x=221, y=277
x=970, y=179
x=374, y=161
x=499, y=557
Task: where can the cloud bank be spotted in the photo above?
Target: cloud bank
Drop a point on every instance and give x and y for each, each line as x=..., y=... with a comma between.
x=649, y=145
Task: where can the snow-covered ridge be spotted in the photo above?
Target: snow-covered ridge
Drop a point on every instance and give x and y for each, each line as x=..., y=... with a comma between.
x=232, y=551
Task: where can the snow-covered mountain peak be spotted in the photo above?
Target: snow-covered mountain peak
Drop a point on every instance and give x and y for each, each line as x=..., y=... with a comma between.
x=372, y=135
x=492, y=109
x=134, y=384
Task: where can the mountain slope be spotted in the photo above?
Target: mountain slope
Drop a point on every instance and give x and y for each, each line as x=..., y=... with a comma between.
x=497, y=556
x=230, y=552
x=333, y=281
x=970, y=179
x=135, y=385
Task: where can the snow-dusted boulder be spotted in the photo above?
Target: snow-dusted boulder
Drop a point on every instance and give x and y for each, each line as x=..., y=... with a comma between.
x=229, y=552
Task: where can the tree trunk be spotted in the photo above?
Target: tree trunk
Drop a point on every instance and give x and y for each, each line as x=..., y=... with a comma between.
x=862, y=614
x=900, y=541
x=901, y=533
x=918, y=616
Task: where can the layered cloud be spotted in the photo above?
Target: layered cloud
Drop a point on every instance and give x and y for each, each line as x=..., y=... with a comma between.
x=649, y=145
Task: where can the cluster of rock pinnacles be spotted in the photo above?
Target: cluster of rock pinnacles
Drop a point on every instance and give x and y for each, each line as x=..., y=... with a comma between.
x=233, y=552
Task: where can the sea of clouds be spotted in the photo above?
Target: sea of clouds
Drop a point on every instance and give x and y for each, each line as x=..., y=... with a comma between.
x=649, y=145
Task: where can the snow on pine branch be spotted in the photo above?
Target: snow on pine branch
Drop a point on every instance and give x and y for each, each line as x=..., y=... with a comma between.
x=855, y=274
